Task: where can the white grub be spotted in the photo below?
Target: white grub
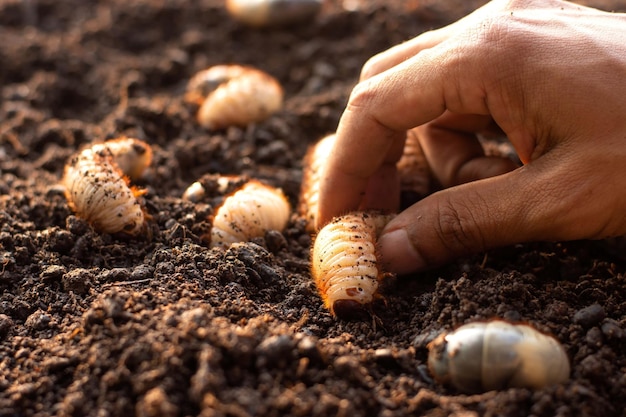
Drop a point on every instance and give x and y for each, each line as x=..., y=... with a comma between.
x=311, y=171
x=234, y=95
x=269, y=13
x=413, y=170
x=344, y=265
x=97, y=189
x=249, y=212
x=494, y=355
x=132, y=156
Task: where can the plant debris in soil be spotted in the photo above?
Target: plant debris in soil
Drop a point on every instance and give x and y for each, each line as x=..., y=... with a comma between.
x=160, y=325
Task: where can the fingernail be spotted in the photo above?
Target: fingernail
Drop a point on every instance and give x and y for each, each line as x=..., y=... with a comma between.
x=398, y=254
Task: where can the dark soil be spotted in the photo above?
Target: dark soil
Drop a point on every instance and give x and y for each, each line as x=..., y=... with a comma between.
x=159, y=325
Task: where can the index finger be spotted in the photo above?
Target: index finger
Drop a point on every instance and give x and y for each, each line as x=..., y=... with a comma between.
x=426, y=40
x=380, y=111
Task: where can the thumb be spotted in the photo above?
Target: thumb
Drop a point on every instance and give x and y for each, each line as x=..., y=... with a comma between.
x=528, y=204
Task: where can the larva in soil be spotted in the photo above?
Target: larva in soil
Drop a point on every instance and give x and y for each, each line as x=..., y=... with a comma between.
x=234, y=95
x=248, y=213
x=311, y=172
x=132, y=156
x=262, y=13
x=493, y=355
x=97, y=188
x=344, y=264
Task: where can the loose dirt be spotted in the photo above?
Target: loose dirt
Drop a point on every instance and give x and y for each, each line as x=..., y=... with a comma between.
x=160, y=325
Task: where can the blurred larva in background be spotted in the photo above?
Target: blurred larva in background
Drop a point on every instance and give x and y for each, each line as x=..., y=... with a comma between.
x=233, y=95
x=268, y=13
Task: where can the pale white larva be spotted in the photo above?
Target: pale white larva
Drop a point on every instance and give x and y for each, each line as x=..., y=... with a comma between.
x=494, y=355
x=234, y=95
x=260, y=13
x=97, y=189
x=131, y=155
x=344, y=263
x=249, y=212
x=311, y=171
x=414, y=171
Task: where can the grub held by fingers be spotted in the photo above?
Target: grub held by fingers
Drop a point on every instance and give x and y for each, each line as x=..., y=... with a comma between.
x=344, y=265
x=309, y=192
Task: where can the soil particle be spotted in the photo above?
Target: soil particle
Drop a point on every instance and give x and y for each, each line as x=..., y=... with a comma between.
x=159, y=325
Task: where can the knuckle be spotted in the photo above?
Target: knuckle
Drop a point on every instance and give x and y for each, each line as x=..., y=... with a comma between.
x=362, y=98
x=361, y=95
x=492, y=31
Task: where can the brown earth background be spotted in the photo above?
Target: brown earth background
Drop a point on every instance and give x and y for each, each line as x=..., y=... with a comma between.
x=94, y=325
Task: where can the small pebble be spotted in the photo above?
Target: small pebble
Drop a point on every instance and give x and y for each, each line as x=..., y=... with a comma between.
x=77, y=280
x=589, y=316
x=612, y=330
x=52, y=272
x=385, y=357
x=274, y=350
x=6, y=325
x=308, y=348
x=39, y=320
x=593, y=338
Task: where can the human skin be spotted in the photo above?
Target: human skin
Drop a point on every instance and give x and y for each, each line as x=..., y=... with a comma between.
x=550, y=74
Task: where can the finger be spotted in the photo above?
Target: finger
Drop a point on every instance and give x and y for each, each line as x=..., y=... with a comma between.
x=360, y=180
x=382, y=109
x=540, y=201
x=401, y=52
x=455, y=154
x=383, y=190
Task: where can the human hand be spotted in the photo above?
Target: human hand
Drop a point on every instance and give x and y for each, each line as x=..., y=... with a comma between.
x=550, y=74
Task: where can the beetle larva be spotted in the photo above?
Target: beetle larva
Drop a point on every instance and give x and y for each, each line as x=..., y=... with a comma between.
x=413, y=171
x=494, y=355
x=131, y=155
x=234, y=95
x=259, y=13
x=97, y=188
x=249, y=212
x=311, y=171
x=344, y=264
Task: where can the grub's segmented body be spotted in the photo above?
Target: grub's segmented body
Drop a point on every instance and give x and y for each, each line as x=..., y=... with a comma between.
x=493, y=355
x=260, y=13
x=249, y=212
x=131, y=155
x=97, y=189
x=234, y=95
x=344, y=264
x=312, y=167
x=414, y=171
